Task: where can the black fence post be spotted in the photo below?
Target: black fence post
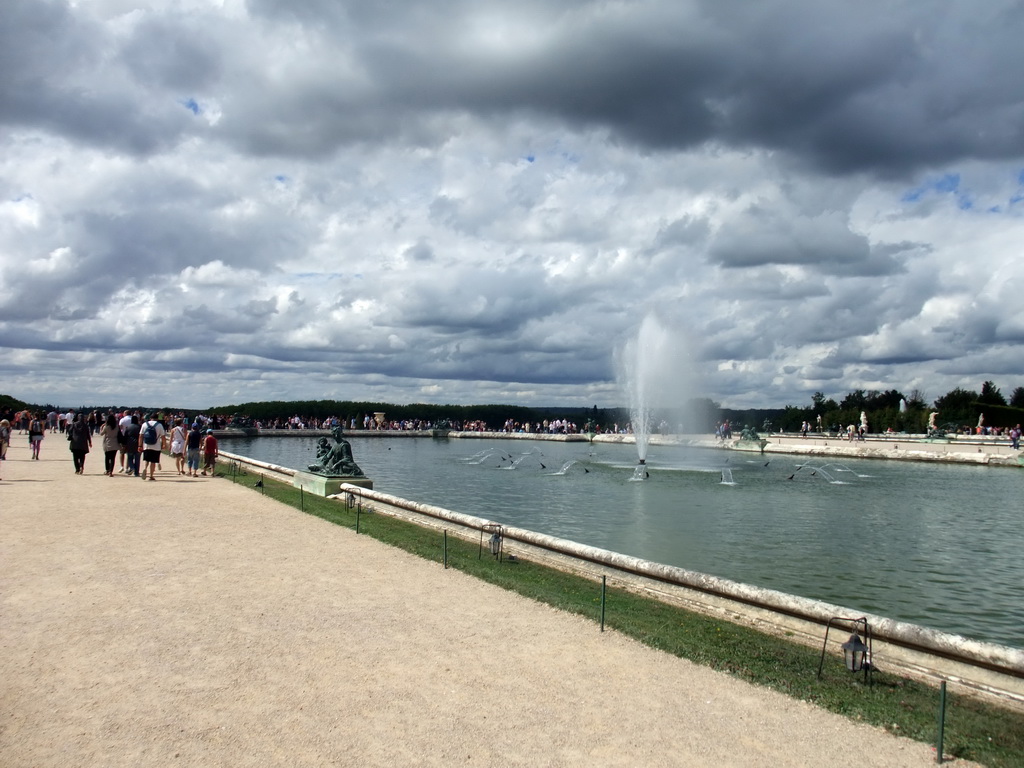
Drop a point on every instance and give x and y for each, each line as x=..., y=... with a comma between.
x=942, y=721
x=604, y=592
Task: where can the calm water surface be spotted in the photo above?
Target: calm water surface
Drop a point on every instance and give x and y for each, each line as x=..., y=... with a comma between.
x=936, y=545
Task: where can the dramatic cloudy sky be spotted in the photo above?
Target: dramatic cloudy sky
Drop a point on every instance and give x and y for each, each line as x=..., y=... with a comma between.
x=205, y=202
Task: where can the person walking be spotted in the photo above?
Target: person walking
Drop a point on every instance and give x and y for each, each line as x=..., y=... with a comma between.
x=5, y=438
x=110, y=432
x=151, y=442
x=178, y=445
x=131, y=444
x=210, y=452
x=80, y=441
x=36, y=432
x=122, y=423
x=192, y=445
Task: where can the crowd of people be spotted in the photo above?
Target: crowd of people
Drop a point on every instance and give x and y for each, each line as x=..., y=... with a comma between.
x=552, y=427
x=121, y=434
x=367, y=422
x=132, y=442
x=370, y=422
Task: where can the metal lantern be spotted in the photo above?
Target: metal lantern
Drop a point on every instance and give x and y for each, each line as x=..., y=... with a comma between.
x=855, y=653
x=495, y=539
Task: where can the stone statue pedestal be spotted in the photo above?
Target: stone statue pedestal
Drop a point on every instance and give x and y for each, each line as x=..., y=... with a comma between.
x=327, y=485
x=745, y=444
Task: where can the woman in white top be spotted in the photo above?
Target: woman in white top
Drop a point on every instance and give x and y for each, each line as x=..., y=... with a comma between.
x=178, y=445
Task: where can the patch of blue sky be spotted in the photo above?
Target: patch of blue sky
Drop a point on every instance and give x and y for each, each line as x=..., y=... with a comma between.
x=191, y=105
x=1018, y=196
x=945, y=184
x=326, y=276
x=555, y=152
x=281, y=179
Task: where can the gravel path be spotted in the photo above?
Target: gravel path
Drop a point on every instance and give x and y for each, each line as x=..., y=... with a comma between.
x=190, y=622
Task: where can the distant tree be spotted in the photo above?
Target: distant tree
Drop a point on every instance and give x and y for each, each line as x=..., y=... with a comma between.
x=9, y=406
x=1017, y=398
x=957, y=406
x=917, y=399
x=822, y=405
x=990, y=394
x=791, y=419
x=876, y=401
x=818, y=402
x=854, y=401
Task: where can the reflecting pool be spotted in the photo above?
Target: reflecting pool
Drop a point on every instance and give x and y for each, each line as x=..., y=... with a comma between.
x=934, y=544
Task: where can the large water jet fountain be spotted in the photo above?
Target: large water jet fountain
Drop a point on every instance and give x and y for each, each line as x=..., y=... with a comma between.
x=648, y=367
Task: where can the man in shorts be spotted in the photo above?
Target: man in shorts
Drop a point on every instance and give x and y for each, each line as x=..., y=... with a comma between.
x=151, y=442
x=210, y=452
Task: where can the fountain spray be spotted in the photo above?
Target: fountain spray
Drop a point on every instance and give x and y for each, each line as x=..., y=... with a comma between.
x=656, y=372
x=642, y=367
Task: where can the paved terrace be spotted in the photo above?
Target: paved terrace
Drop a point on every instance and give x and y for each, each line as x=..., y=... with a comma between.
x=191, y=622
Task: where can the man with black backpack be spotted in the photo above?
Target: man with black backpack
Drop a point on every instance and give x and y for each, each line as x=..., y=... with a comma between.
x=151, y=442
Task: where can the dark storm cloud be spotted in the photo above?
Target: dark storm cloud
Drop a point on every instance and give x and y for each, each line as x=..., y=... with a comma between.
x=763, y=235
x=57, y=79
x=138, y=244
x=770, y=283
x=227, y=320
x=871, y=86
x=686, y=232
x=487, y=301
x=495, y=361
x=174, y=53
x=421, y=252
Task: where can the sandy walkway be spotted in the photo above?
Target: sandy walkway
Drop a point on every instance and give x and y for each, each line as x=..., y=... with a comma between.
x=194, y=623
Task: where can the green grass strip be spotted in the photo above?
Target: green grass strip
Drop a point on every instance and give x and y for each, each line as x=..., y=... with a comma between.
x=974, y=729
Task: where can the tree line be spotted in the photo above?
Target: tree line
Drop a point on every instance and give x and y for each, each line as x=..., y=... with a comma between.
x=957, y=408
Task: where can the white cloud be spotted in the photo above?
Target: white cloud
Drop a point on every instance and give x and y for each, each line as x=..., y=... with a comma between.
x=482, y=202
